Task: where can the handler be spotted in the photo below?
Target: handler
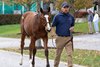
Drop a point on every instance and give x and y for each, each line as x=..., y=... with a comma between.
x=64, y=23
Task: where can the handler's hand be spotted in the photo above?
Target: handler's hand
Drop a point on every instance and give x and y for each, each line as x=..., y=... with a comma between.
x=71, y=29
x=52, y=32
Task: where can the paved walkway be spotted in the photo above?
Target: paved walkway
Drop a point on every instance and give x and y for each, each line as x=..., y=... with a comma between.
x=89, y=42
x=11, y=59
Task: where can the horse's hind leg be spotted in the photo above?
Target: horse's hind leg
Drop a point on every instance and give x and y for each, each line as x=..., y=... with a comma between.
x=45, y=40
x=22, y=47
x=32, y=49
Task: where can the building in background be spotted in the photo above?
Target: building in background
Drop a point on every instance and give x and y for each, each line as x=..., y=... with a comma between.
x=20, y=9
x=14, y=8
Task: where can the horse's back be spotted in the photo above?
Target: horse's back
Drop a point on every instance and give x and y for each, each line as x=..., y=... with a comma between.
x=28, y=13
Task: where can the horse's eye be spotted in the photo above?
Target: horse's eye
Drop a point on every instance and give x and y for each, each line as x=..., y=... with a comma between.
x=43, y=18
x=49, y=17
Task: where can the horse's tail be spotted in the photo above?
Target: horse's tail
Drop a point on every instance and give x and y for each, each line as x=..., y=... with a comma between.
x=22, y=24
x=22, y=19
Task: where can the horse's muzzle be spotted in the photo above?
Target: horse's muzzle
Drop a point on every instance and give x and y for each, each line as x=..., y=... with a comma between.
x=48, y=30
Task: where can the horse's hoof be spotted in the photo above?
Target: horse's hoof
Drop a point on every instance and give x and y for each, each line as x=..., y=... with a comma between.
x=48, y=65
x=20, y=64
x=33, y=66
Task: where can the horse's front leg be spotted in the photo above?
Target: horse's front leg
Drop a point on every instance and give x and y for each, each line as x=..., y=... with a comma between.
x=32, y=49
x=45, y=40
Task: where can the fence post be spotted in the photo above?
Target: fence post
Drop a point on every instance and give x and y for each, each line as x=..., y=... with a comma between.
x=3, y=8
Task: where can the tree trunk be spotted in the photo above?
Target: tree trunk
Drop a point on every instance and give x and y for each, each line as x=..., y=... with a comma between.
x=3, y=8
x=38, y=5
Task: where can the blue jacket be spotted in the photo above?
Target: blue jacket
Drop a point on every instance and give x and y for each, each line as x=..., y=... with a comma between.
x=63, y=22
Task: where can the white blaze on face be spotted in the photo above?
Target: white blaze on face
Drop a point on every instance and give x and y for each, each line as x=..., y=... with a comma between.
x=48, y=25
x=46, y=16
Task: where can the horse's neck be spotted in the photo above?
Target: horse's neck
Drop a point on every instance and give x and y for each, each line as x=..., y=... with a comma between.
x=38, y=21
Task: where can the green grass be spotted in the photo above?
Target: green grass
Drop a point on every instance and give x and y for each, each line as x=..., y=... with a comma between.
x=13, y=30
x=81, y=57
x=9, y=30
x=83, y=27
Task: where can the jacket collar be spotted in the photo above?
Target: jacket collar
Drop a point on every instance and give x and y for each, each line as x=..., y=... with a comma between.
x=60, y=13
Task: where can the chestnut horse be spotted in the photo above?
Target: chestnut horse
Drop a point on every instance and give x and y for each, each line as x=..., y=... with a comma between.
x=36, y=26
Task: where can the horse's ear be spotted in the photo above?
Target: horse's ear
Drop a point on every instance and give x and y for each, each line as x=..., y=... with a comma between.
x=48, y=9
x=41, y=10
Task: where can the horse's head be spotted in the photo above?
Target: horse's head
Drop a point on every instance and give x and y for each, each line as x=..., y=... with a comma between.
x=45, y=18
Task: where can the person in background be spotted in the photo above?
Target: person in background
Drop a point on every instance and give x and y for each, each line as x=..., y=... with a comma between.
x=64, y=23
x=90, y=20
x=46, y=4
x=96, y=20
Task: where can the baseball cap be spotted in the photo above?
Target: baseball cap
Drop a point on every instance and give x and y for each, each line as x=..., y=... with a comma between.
x=65, y=5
